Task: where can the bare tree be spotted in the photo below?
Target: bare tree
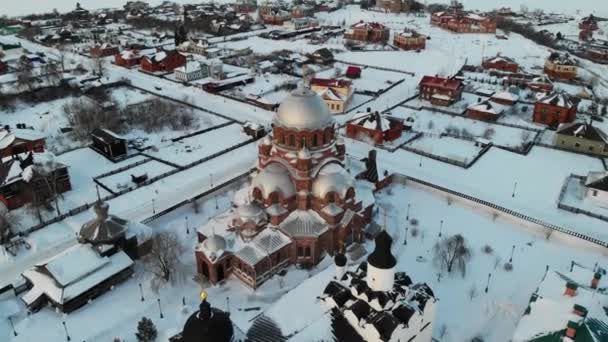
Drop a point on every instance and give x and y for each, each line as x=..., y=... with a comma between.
x=452, y=253
x=25, y=75
x=163, y=259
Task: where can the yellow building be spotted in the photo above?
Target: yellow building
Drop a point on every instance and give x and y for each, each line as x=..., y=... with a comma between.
x=336, y=93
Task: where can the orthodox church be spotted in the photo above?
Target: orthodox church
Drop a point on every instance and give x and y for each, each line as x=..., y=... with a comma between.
x=301, y=205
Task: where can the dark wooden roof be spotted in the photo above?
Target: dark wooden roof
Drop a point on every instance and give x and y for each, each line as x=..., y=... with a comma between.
x=342, y=330
x=583, y=130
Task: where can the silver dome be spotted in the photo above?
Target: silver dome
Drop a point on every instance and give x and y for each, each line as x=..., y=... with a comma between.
x=303, y=109
x=274, y=177
x=332, y=178
x=214, y=244
x=251, y=212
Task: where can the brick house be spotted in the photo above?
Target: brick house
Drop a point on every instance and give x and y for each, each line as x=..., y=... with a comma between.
x=505, y=98
x=368, y=32
x=501, y=63
x=585, y=35
x=375, y=127
x=464, y=22
x=486, y=111
x=353, y=71
x=296, y=210
x=163, y=61
x=273, y=15
x=554, y=109
x=409, y=40
x=336, y=93
x=128, y=58
x=3, y=67
x=20, y=141
x=322, y=56
x=103, y=50
x=541, y=84
x=582, y=137
x=559, y=66
x=440, y=91
x=394, y=6
x=588, y=23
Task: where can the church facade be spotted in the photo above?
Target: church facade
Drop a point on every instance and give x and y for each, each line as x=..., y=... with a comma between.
x=301, y=205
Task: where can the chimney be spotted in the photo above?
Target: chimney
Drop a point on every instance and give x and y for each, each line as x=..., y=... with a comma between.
x=571, y=289
x=595, y=281
x=580, y=310
x=571, y=328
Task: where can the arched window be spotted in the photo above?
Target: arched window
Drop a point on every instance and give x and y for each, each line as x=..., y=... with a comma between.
x=257, y=194
x=292, y=140
x=307, y=251
x=327, y=136
x=303, y=141
x=274, y=198
x=314, y=140
x=281, y=138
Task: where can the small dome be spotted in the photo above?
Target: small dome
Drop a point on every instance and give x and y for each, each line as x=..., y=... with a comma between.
x=251, y=212
x=332, y=178
x=304, y=154
x=214, y=244
x=208, y=325
x=104, y=228
x=274, y=177
x=303, y=109
x=266, y=140
x=382, y=257
x=340, y=259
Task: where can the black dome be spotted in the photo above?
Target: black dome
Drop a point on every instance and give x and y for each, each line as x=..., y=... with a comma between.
x=382, y=257
x=208, y=325
x=340, y=259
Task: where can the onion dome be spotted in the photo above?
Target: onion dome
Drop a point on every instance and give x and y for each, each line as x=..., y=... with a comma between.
x=340, y=259
x=274, y=177
x=332, y=178
x=104, y=228
x=208, y=325
x=304, y=154
x=303, y=109
x=214, y=244
x=382, y=257
x=251, y=212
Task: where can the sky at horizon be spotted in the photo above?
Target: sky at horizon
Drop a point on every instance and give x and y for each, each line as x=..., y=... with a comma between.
x=23, y=7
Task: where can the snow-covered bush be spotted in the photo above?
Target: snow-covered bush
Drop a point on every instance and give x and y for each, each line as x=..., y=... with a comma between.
x=487, y=249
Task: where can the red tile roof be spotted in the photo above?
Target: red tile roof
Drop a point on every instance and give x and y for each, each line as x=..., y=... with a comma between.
x=330, y=82
x=440, y=82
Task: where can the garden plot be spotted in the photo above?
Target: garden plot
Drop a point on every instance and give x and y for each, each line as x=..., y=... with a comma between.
x=438, y=123
x=123, y=180
x=125, y=96
x=447, y=147
x=188, y=150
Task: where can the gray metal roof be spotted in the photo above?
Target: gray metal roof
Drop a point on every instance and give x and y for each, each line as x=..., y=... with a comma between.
x=263, y=245
x=303, y=224
x=303, y=109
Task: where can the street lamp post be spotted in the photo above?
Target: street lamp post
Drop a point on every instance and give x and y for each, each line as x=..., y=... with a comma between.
x=407, y=216
x=12, y=326
x=512, y=250
x=160, y=309
x=153, y=207
x=514, y=188
x=67, y=335
x=141, y=292
x=440, y=227
x=187, y=228
x=488, y=283
x=420, y=164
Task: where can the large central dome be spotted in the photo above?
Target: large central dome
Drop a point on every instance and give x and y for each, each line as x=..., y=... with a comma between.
x=303, y=109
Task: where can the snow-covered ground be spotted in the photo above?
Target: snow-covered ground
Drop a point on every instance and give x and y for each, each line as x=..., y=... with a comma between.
x=447, y=147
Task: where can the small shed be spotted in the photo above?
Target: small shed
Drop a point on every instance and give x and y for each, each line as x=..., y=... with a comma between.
x=109, y=144
x=353, y=71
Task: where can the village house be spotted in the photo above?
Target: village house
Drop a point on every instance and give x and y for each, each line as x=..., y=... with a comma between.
x=485, y=110
x=353, y=71
x=103, y=50
x=13, y=142
x=30, y=177
x=409, y=40
x=597, y=55
x=302, y=11
x=588, y=23
x=554, y=109
x=322, y=56
x=3, y=67
x=596, y=185
x=374, y=127
x=576, y=305
x=440, y=91
x=394, y=6
x=11, y=51
x=128, y=58
x=560, y=66
x=368, y=32
x=541, y=84
x=501, y=63
x=301, y=205
x=162, y=61
x=272, y=15
x=582, y=137
x=192, y=71
x=109, y=144
x=585, y=35
x=301, y=23
x=505, y=98
x=196, y=47
x=464, y=22
x=336, y=93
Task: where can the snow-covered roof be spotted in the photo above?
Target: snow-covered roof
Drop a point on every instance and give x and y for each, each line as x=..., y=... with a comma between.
x=556, y=99
x=375, y=121
x=264, y=244
x=487, y=107
x=73, y=272
x=304, y=223
x=189, y=67
x=505, y=95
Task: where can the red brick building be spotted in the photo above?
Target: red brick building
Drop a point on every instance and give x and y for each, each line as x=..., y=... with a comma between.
x=353, y=71
x=409, y=40
x=300, y=206
x=440, y=91
x=560, y=66
x=486, y=111
x=20, y=141
x=554, y=109
x=501, y=63
x=368, y=32
x=375, y=127
x=103, y=50
x=585, y=35
x=273, y=15
x=128, y=58
x=464, y=22
x=588, y=23
x=541, y=84
x=163, y=61
x=3, y=67
x=504, y=98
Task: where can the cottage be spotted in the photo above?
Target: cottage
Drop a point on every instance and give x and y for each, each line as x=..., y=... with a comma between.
x=375, y=127
x=542, y=84
x=162, y=61
x=394, y=6
x=336, y=93
x=588, y=23
x=272, y=15
x=371, y=32
x=353, y=71
x=505, y=98
x=128, y=58
x=501, y=63
x=485, y=110
x=192, y=71
x=301, y=23
x=322, y=56
x=560, y=66
x=302, y=11
x=585, y=35
x=596, y=184
x=554, y=109
x=582, y=137
x=103, y=50
x=109, y=144
x=460, y=21
x=409, y=40
x=440, y=91
x=20, y=141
